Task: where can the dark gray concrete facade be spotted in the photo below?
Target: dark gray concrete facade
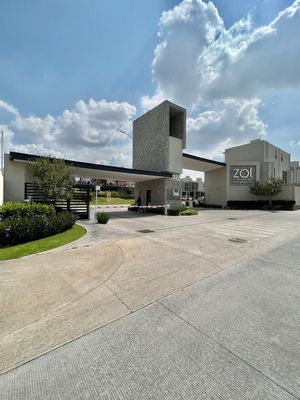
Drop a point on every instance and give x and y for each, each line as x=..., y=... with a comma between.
x=151, y=134
x=159, y=137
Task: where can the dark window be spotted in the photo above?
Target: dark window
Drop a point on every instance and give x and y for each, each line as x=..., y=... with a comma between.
x=284, y=176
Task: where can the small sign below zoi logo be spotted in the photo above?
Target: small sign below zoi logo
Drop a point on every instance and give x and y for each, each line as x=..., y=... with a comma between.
x=242, y=174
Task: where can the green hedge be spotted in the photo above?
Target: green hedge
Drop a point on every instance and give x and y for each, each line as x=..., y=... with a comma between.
x=19, y=229
x=176, y=209
x=189, y=212
x=25, y=209
x=203, y=205
x=261, y=204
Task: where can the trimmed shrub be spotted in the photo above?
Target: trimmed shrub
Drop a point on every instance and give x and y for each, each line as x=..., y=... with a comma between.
x=25, y=209
x=126, y=196
x=62, y=221
x=102, y=217
x=189, y=212
x=203, y=205
x=261, y=204
x=176, y=209
x=21, y=229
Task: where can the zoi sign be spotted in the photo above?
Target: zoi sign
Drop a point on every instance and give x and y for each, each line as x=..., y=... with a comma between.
x=242, y=174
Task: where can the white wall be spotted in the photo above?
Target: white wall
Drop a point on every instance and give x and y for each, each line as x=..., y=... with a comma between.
x=215, y=187
x=289, y=192
x=175, y=155
x=271, y=158
x=16, y=173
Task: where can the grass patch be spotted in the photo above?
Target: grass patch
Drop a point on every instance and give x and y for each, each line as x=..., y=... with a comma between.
x=114, y=201
x=190, y=211
x=48, y=243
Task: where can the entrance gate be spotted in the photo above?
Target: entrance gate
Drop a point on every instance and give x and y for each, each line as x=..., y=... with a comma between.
x=79, y=203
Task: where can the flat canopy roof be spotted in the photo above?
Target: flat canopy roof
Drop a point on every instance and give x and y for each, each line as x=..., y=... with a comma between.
x=100, y=171
x=200, y=164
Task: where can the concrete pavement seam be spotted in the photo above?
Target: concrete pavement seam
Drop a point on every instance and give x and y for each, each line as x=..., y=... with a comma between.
x=115, y=294
x=228, y=350
x=75, y=299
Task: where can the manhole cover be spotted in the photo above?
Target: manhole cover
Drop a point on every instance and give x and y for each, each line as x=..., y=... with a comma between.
x=237, y=240
x=145, y=231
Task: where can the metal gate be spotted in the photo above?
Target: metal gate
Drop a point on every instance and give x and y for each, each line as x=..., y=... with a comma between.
x=79, y=203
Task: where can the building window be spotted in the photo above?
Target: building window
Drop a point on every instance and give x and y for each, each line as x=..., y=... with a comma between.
x=273, y=172
x=275, y=154
x=284, y=176
x=281, y=158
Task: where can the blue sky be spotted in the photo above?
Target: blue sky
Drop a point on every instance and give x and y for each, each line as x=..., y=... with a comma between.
x=73, y=73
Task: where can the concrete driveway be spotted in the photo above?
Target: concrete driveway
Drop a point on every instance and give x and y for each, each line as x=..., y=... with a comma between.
x=51, y=298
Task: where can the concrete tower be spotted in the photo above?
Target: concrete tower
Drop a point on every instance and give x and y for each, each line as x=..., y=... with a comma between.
x=159, y=136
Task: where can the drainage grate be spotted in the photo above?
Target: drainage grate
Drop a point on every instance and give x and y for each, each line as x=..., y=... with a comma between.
x=145, y=231
x=231, y=218
x=237, y=240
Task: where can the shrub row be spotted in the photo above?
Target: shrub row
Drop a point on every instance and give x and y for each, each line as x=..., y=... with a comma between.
x=203, y=205
x=176, y=209
x=19, y=229
x=189, y=212
x=261, y=204
x=25, y=209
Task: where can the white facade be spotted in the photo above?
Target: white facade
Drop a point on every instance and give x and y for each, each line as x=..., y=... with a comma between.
x=246, y=164
x=15, y=175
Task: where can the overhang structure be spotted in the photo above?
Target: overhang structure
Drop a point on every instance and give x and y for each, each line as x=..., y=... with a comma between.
x=99, y=171
x=200, y=164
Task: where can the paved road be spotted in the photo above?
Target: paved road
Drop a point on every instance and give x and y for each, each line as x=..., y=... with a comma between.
x=49, y=299
x=234, y=335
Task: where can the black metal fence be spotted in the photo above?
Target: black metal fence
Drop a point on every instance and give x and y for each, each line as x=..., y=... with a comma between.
x=79, y=203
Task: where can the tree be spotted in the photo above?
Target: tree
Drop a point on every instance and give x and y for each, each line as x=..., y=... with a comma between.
x=267, y=188
x=53, y=177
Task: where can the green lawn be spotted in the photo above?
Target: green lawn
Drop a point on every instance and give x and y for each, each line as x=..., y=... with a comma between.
x=44, y=244
x=114, y=201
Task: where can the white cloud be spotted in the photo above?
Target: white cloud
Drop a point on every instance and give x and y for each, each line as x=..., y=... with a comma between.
x=294, y=143
x=89, y=131
x=246, y=62
x=36, y=149
x=185, y=31
x=8, y=136
x=200, y=64
x=198, y=60
x=95, y=123
x=36, y=127
x=231, y=123
x=8, y=107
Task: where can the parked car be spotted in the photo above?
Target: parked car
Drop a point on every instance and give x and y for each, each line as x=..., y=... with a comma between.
x=198, y=201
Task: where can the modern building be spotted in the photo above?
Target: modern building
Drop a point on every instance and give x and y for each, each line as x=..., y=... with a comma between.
x=191, y=189
x=159, y=139
x=248, y=163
